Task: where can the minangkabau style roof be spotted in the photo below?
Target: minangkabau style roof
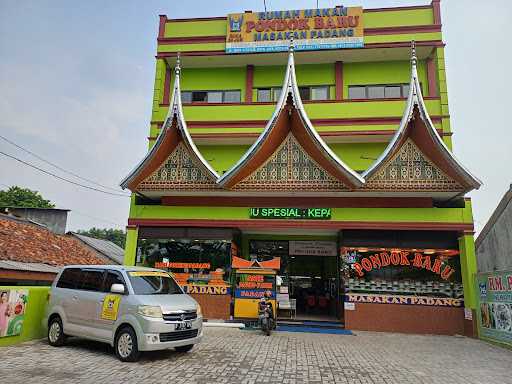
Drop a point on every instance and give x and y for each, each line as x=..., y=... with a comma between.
x=174, y=131
x=417, y=127
x=290, y=117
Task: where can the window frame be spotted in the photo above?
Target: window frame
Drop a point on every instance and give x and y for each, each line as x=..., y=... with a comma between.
x=74, y=285
x=275, y=93
x=404, y=91
x=85, y=270
x=205, y=101
x=106, y=289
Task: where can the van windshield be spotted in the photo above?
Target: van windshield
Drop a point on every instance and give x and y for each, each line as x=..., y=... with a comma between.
x=153, y=283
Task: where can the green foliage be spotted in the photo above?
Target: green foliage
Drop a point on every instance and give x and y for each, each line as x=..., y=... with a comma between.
x=117, y=236
x=23, y=197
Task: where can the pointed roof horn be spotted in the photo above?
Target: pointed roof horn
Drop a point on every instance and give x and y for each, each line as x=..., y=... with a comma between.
x=276, y=131
x=427, y=137
x=173, y=131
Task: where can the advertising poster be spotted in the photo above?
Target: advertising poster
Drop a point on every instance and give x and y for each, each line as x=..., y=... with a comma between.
x=495, y=307
x=110, y=307
x=12, y=311
x=311, y=29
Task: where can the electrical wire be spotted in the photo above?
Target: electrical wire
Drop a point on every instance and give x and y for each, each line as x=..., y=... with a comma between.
x=62, y=178
x=56, y=166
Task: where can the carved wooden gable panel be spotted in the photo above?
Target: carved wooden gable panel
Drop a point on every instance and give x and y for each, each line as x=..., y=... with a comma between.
x=290, y=168
x=178, y=172
x=410, y=170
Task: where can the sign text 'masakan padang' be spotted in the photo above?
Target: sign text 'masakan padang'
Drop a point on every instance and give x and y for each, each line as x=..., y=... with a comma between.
x=403, y=258
x=408, y=300
x=290, y=213
x=206, y=289
x=177, y=265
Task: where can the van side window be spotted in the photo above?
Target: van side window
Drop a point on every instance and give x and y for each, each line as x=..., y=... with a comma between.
x=92, y=280
x=69, y=278
x=113, y=278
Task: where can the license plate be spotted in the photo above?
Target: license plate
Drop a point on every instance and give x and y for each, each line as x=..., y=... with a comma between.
x=183, y=325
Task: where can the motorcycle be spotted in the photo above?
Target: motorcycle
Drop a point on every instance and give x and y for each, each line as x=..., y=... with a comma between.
x=266, y=318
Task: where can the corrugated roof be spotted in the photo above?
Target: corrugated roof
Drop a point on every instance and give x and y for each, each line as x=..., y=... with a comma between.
x=29, y=267
x=108, y=248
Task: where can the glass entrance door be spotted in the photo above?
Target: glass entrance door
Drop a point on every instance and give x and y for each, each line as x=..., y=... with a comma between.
x=313, y=284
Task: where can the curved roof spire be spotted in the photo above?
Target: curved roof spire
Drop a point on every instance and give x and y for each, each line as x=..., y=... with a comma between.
x=416, y=123
x=277, y=128
x=174, y=130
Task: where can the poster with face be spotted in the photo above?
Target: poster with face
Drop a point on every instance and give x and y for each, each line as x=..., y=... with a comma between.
x=13, y=303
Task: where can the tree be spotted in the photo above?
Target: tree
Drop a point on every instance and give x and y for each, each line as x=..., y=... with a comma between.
x=23, y=197
x=117, y=236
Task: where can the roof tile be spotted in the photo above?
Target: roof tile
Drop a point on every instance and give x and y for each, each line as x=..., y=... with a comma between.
x=28, y=243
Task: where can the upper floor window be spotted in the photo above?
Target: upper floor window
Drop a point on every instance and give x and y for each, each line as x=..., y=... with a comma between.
x=232, y=96
x=306, y=93
x=385, y=91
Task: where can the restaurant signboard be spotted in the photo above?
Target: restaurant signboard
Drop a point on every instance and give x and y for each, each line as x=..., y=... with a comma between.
x=311, y=29
x=495, y=309
x=290, y=213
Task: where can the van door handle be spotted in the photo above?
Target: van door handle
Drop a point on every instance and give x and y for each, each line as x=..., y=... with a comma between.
x=75, y=297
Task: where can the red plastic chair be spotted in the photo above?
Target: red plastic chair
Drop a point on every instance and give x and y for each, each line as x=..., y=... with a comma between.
x=310, y=301
x=323, y=302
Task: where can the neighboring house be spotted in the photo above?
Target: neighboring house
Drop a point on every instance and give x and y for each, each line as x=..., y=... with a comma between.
x=52, y=218
x=113, y=252
x=494, y=243
x=32, y=254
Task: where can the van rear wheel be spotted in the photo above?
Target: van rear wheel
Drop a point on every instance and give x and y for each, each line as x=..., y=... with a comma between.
x=56, y=335
x=184, y=348
x=126, y=346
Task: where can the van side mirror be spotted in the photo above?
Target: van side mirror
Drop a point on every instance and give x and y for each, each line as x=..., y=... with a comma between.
x=117, y=288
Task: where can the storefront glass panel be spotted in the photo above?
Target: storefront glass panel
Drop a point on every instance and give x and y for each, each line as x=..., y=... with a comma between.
x=404, y=272
x=192, y=262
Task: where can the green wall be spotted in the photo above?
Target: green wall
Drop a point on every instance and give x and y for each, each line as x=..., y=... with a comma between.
x=384, y=72
x=358, y=156
x=222, y=157
x=199, y=79
x=311, y=74
x=433, y=215
x=35, y=311
x=389, y=18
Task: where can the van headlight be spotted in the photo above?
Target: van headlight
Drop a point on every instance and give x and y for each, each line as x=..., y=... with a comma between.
x=150, y=311
x=199, y=311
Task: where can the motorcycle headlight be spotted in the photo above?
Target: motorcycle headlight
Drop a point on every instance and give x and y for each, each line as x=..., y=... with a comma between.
x=150, y=311
x=199, y=310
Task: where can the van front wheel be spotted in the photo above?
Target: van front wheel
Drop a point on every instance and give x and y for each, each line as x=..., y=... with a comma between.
x=56, y=335
x=126, y=345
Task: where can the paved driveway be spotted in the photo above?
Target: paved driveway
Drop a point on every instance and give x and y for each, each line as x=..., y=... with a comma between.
x=234, y=356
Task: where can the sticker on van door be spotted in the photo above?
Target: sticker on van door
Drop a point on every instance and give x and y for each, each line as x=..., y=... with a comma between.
x=110, y=307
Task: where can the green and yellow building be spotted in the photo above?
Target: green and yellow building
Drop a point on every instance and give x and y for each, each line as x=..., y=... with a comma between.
x=321, y=137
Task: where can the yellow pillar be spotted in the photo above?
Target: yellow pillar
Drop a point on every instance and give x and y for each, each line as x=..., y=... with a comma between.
x=468, y=267
x=130, y=249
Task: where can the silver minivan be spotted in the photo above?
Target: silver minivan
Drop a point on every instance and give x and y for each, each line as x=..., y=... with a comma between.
x=132, y=308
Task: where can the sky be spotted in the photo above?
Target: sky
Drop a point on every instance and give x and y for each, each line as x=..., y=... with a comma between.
x=76, y=87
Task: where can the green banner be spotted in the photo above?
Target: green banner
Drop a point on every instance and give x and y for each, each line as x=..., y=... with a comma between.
x=495, y=309
x=290, y=213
